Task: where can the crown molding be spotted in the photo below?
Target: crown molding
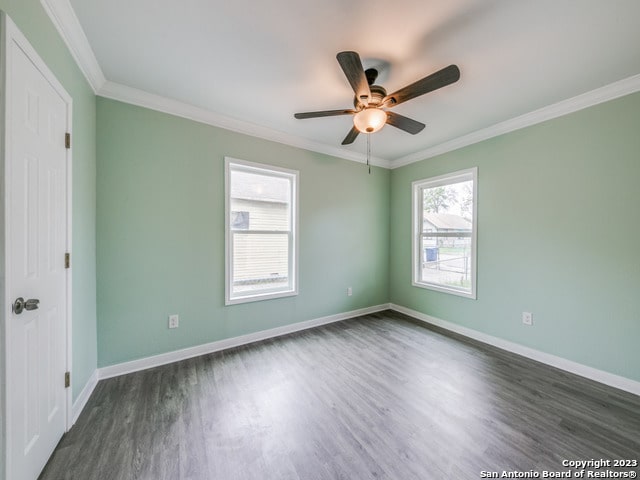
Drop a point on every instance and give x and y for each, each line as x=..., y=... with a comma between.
x=594, y=97
x=134, y=96
x=66, y=22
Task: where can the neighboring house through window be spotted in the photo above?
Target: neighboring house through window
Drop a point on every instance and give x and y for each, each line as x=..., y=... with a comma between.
x=444, y=233
x=261, y=227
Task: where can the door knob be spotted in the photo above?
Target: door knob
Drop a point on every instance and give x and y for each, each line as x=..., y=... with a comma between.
x=21, y=304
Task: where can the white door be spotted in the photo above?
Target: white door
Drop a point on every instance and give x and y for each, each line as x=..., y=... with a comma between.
x=36, y=235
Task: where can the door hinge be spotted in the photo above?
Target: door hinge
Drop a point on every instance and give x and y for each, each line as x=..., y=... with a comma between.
x=67, y=379
x=67, y=140
x=67, y=260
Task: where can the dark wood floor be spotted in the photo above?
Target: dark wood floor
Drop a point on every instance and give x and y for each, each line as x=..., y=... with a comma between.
x=377, y=397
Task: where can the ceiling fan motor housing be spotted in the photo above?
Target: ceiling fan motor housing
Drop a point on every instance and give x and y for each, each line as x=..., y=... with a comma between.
x=377, y=94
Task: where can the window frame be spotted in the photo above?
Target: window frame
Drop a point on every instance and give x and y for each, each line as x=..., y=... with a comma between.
x=270, y=170
x=417, y=230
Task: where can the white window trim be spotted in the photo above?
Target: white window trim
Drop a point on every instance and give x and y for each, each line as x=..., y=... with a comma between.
x=262, y=169
x=416, y=227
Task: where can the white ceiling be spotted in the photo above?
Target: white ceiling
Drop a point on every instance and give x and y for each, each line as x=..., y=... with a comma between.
x=261, y=61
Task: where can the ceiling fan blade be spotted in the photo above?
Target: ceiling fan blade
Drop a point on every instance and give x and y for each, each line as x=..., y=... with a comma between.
x=351, y=136
x=404, y=123
x=352, y=68
x=323, y=113
x=439, y=79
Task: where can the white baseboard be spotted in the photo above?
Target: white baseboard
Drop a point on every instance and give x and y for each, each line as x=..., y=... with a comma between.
x=83, y=398
x=591, y=373
x=175, y=356
x=600, y=376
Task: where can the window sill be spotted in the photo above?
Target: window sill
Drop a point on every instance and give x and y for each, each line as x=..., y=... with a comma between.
x=441, y=288
x=259, y=297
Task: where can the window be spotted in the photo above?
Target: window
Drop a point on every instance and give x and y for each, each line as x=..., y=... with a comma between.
x=261, y=236
x=444, y=233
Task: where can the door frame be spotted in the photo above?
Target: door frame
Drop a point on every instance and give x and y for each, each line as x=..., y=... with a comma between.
x=11, y=35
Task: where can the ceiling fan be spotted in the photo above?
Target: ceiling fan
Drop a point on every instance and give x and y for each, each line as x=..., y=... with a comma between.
x=371, y=101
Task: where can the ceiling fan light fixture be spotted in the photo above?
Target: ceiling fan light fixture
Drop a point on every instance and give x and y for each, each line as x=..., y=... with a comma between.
x=370, y=119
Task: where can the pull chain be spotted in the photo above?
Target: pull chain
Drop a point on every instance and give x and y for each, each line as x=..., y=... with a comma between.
x=369, y=151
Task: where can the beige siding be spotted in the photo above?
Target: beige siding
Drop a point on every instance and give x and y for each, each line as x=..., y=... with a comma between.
x=263, y=215
x=261, y=257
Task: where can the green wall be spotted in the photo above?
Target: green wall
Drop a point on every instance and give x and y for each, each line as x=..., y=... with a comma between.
x=32, y=20
x=558, y=235
x=160, y=234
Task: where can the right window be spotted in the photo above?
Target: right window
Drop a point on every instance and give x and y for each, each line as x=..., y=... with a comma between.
x=444, y=233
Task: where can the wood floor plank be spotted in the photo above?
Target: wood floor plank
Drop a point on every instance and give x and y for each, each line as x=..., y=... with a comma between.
x=375, y=397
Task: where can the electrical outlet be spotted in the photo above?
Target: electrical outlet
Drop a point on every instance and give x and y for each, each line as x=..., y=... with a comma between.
x=527, y=318
x=349, y=291
x=174, y=321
